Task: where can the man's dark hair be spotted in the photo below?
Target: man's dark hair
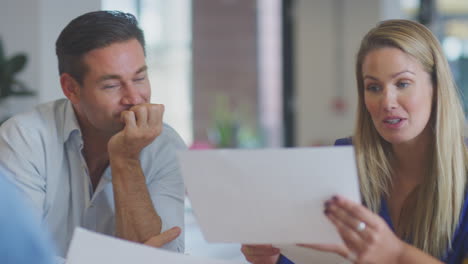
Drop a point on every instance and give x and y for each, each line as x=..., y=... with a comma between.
x=92, y=31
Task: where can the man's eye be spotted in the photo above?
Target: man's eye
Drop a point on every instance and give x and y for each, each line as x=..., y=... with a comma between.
x=111, y=86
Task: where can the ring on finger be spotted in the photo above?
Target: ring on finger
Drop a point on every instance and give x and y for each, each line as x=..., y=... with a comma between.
x=361, y=226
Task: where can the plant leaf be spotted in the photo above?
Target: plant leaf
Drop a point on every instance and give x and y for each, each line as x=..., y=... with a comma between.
x=16, y=63
x=2, y=53
x=19, y=88
x=5, y=88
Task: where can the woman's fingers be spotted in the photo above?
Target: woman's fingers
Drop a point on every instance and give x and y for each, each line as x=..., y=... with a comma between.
x=259, y=250
x=356, y=210
x=352, y=240
x=260, y=254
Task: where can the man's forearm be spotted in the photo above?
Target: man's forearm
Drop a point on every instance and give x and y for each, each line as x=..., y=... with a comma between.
x=136, y=218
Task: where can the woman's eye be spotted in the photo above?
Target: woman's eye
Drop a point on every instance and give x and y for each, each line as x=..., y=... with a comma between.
x=373, y=88
x=403, y=84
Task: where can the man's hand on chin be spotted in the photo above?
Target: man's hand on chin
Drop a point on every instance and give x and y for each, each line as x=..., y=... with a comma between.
x=143, y=123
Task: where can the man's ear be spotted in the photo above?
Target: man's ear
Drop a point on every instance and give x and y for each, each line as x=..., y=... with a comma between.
x=70, y=87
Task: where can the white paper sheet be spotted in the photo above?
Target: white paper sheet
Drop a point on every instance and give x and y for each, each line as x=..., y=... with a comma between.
x=270, y=195
x=301, y=255
x=92, y=248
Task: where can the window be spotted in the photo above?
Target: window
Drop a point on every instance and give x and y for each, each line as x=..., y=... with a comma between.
x=167, y=28
x=448, y=19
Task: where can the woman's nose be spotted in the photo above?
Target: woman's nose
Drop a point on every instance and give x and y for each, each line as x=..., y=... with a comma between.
x=389, y=100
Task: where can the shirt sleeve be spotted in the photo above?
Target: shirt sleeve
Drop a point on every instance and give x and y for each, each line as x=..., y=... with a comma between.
x=21, y=152
x=166, y=185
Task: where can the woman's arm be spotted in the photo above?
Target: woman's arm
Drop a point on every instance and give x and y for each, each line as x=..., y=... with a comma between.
x=412, y=254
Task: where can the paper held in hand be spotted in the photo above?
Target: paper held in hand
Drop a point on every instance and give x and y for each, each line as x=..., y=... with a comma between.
x=268, y=196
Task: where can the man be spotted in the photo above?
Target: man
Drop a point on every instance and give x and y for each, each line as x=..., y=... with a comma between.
x=21, y=240
x=101, y=159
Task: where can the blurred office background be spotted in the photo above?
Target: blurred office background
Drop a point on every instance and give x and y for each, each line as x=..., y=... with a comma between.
x=237, y=73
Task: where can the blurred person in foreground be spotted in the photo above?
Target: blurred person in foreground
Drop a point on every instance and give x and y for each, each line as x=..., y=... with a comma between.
x=21, y=239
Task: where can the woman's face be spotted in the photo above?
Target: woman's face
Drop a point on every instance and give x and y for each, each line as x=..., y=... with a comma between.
x=397, y=93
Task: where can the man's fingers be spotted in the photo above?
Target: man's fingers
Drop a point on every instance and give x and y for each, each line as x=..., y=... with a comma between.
x=164, y=238
x=141, y=113
x=128, y=117
x=155, y=114
x=148, y=114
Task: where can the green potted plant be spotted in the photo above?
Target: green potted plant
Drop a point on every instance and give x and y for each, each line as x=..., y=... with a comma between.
x=9, y=68
x=14, y=95
x=230, y=127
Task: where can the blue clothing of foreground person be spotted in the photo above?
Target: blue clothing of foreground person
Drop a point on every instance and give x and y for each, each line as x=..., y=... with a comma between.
x=21, y=240
x=459, y=251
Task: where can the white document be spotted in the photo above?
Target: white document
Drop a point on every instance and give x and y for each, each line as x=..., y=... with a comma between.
x=92, y=248
x=301, y=255
x=268, y=196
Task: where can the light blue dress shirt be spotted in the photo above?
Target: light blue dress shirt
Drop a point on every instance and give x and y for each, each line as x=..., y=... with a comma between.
x=43, y=149
x=21, y=240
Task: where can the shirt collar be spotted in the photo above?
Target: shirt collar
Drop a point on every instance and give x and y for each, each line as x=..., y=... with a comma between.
x=70, y=124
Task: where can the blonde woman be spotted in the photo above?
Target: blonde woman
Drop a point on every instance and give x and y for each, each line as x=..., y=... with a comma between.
x=411, y=157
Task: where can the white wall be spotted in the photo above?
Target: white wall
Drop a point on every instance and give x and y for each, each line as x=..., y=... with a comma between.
x=32, y=26
x=18, y=30
x=327, y=36
x=54, y=16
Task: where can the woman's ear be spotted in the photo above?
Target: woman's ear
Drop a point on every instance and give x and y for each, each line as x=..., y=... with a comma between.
x=70, y=87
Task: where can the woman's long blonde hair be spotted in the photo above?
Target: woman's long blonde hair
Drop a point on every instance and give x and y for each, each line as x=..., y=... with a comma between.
x=430, y=219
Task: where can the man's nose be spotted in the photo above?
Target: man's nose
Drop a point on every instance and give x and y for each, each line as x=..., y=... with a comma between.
x=132, y=95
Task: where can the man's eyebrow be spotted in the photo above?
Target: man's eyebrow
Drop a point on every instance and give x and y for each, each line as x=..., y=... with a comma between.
x=108, y=77
x=115, y=76
x=142, y=69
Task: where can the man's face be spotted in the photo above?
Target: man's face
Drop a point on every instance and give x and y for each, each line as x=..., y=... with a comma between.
x=116, y=80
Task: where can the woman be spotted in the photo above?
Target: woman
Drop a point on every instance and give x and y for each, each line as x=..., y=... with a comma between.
x=410, y=154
